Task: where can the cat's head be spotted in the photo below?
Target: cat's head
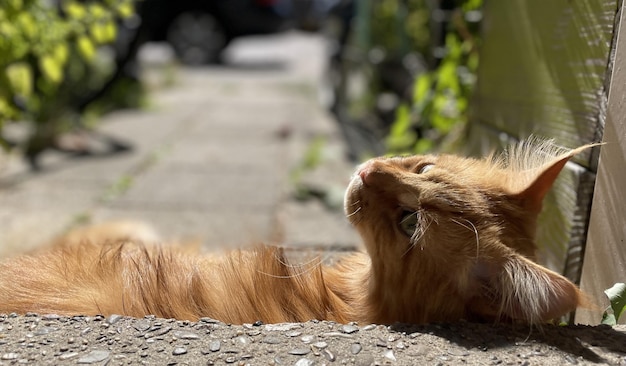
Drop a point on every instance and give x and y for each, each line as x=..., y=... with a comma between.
x=451, y=237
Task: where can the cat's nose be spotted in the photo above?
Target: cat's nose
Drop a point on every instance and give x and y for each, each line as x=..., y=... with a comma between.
x=364, y=171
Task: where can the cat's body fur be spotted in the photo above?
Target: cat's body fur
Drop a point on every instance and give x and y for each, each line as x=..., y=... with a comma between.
x=464, y=254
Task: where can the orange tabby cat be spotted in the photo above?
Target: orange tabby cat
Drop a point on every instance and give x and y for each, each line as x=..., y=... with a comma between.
x=447, y=238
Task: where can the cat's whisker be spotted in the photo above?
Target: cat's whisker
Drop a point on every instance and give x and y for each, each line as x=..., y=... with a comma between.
x=358, y=209
x=280, y=260
x=473, y=229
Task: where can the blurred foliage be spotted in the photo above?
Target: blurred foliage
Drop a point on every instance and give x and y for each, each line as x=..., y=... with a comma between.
x=407, y=73
x=400, y=26
x=440, y=95
x=51, y=57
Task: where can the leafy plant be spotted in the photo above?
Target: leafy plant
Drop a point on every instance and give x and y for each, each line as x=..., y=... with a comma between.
x=49, y=58
x=441, y=96
x=617, y=298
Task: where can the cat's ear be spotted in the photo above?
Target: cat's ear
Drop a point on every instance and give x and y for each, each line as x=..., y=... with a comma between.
x=518, y=288
x=533, y=193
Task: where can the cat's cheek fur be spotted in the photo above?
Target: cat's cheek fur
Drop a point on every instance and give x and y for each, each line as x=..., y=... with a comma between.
x=517, y=288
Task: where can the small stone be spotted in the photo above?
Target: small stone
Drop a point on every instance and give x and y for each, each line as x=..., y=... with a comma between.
x=113, y=318
x=293, y=333
x=215, y=346
x=306, y=339
x=257, y=323
x=400, y=345
x=299, y=351
x=94, y=356
x=186, y=335
x=304, y=362
x=142, y=325
x=571, y=360
x=9, y=356
x=320, y=345
x=282, y=327
x=209, y=320
x=67, y=356
x=157, y=332
x=369, y=327
x=329, y=355
x=355, y=348
x=337, y=334
x=349, y=329
x=243, y=341
x=389, y=355
x=179, y=351
x=381, y=343
x=231, y=359
x=458, y=352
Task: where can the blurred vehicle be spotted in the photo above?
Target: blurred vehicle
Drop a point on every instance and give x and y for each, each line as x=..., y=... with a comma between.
x=199, y=30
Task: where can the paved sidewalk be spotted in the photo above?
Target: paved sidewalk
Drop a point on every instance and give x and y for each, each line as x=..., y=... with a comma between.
x=213, y=159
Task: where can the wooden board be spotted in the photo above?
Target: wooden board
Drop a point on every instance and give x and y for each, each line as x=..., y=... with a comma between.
x=605, y=257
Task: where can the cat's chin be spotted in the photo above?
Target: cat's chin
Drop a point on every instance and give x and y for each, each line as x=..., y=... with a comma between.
x=351, y=203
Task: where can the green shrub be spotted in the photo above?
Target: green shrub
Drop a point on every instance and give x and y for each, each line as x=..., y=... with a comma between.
x=440, y=96
x=51, y=55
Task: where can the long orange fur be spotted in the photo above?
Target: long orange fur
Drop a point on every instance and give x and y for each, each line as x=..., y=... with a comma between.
x=469, y=256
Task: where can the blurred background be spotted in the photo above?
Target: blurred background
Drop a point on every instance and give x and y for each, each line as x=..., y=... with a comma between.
x=397, y=75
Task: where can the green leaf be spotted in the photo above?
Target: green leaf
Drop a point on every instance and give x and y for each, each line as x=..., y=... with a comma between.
x=51, y=69
x=608, y=319
x=61, y=53
x=20, y=76
x=125, y=9
x=422, y=87
x=28, y=24
x=423, y=146
x=75, y=10
x=617, y=297
x=401, y=136
x=86, y=48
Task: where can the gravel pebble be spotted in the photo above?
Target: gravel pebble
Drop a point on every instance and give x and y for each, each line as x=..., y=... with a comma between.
x=94, y=356
x=299, y=351
x=304, y=362
x=349, y=329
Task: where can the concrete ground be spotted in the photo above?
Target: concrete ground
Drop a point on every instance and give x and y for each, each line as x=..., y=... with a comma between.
x=217, y=157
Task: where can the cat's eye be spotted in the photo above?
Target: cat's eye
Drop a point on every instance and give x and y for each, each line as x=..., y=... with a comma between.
x=408, y=222
x=425, y=168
